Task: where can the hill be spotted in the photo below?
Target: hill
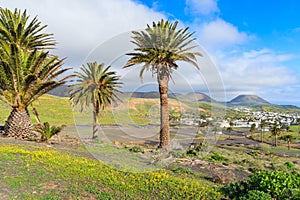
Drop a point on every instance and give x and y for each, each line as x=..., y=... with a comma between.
x=253, y=101
x=194, y=97
x=61, y=91
x=247, y=100
x=198, y=96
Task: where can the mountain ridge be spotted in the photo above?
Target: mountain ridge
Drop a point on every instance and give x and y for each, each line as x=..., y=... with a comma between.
x=246, y=100
x=240, y=100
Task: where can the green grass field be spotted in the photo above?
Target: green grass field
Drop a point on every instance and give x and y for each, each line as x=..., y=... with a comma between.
x=31, y=172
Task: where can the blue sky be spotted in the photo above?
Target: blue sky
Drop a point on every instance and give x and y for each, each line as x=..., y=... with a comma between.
x=255, y=44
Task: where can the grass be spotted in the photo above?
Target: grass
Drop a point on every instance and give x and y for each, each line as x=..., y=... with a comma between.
x=267, y=136
x=58, y=111
x=31, y=172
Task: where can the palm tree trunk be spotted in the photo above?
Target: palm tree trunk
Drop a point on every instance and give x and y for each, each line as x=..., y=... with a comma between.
x=275, y=141
x=261, y=136
x=164, y=112
x=18, y=124
x=289, y=145
x=95, y=122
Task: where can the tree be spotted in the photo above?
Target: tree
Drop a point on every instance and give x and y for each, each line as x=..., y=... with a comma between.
x=288, y=139
x=27, y=71
x=298, y=121
x=262, y=126
x=97, y=86
x=158, y=49
x=252, y=128
x=275, y=131
x=229, y=129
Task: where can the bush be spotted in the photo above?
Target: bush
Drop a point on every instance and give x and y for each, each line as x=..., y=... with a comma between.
x=136, y=149
x=48, y=131
x=182, y=170
x=256, y=195
x=289, y=165
x=215, y=156
x=278, y=184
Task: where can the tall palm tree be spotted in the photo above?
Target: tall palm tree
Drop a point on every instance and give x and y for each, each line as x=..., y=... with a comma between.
x=97, y=86
x=26, y=70
x=262, y=126
x=158, y=49
x=275, y=131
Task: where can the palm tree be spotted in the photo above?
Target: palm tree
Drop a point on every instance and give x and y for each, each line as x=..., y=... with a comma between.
x=252, y=128
x=298, y=121
x=96, y=85
x=26, y=71
x=262, y=126
x=275, y=132
x=158, y=49
x=288, y=139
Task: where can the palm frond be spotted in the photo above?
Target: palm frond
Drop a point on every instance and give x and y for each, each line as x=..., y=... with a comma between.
x=162, y=44
x=95, y=85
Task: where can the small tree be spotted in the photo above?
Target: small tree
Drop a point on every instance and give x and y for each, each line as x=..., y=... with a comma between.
x=288, y=139
x=252, y=128
x=230, y=128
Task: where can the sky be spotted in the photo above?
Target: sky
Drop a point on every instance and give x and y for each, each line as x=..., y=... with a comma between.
x=250, y=46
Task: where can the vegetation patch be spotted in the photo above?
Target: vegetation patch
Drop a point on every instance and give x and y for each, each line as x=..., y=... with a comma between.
x=49, y=174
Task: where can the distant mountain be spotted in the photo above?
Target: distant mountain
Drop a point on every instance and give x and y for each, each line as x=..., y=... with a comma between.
x=241, y=100
x=198, y=96
x=247, y=100
x=61, y=91
x=150, y=95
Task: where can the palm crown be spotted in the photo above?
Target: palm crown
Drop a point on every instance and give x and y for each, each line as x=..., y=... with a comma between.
x=160, y=46
x=96, y=85
x=24, y=76
x=15, y=29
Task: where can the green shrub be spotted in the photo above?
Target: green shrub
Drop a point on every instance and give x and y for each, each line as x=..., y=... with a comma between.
x=289, y=165
x=192, y=152
x=136, y=149
x=48, y=131
x=217, y=157
x=256, y=195
x=182, y=170
x=278, y=184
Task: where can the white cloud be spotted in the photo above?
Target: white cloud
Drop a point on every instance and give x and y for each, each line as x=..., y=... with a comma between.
x=79, y=26
x=254, y=71
x=202, y=7
x=219, y=34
